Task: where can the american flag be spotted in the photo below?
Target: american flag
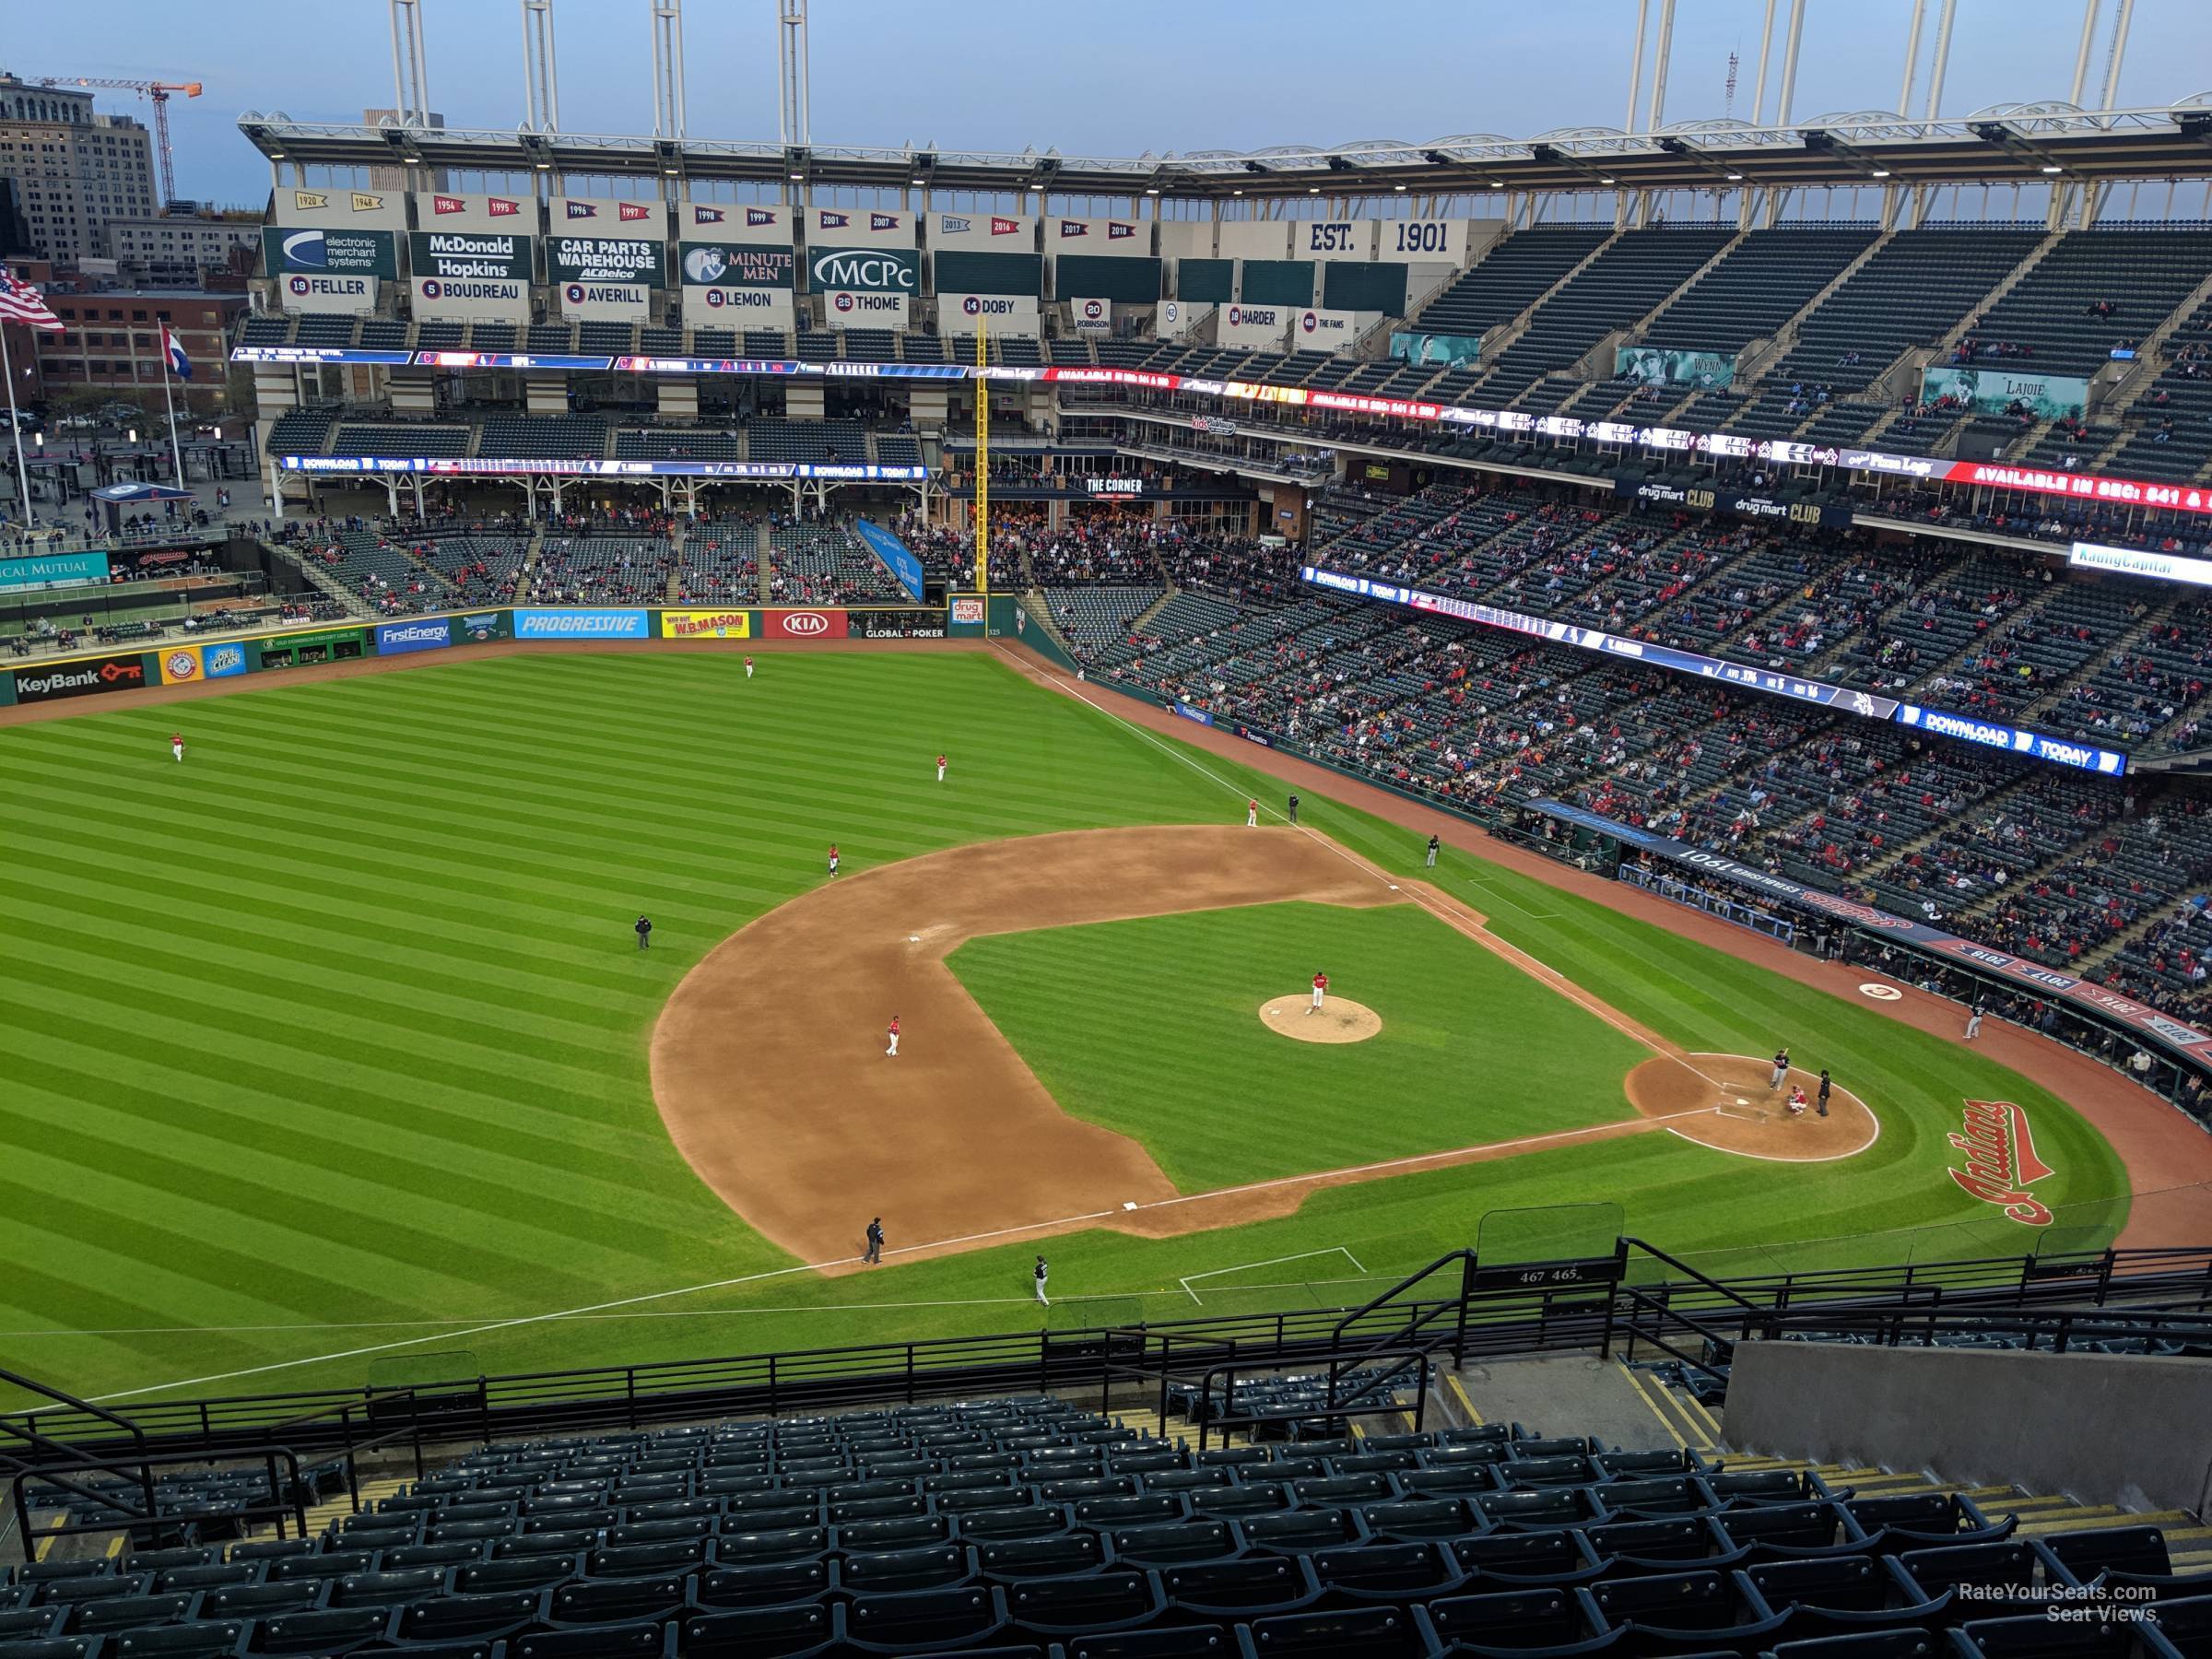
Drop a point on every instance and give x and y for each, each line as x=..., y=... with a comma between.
x=19, y=302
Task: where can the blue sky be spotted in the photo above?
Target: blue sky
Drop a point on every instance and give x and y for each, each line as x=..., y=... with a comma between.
x=1115, y=79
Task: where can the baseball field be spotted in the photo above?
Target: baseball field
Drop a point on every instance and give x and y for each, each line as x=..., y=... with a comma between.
x=329, y=1054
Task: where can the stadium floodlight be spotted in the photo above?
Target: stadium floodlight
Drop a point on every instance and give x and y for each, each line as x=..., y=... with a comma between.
x=1312, y=190
x=1338, y=164
x=2052, y=167
x=1736, y=177
x=1398, y=187
x=1151, y=190
x=1606, y=179
x=1880, y=172
x=1254, y=167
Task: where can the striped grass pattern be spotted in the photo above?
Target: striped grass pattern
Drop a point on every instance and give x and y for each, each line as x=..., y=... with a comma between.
x=332, y=1041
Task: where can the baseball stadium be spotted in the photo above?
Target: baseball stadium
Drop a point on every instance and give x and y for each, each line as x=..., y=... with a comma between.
x=1409, y=898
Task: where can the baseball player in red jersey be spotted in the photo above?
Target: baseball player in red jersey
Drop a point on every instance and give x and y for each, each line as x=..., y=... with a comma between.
x=940, y=768
x=1321, y=986
x=176, y=745
x=833, y=858
x=1252, y=815
x=894, y=1048
x=749, y=667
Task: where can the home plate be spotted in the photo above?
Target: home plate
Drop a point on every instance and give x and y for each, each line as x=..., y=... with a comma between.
x=913, y=938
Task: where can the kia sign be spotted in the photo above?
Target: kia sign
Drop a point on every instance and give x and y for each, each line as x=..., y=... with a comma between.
x=802, y=624
x=865, y=271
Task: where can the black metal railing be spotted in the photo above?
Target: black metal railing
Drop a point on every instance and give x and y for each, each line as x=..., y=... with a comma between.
x=1454, y=1305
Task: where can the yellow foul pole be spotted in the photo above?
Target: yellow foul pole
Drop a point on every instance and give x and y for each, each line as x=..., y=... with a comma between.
x=982, y=466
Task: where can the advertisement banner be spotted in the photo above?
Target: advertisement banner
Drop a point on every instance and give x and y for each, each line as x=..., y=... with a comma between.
x=1013, y=231
x=220, y=661
x=801, y=624
x=1333, y=239
x=52, y=569
x=442, y=211
x=897, y=557
x=605, y=276
x=996, y=313
x=1091, y=316
x=965, y=615
x=737, y=222
x=481, y=627
x=1255, y=325
x=1321, y=330
x=87, y=676
x=328, y=269
x=583, y=625
x=356, y=209
x=1659, y=366
x=1445, y=351
x=895, y=624
x=705, y=624
x=844, y=307
x=738, y=285
x=838, y=270
x=181, y=665
x=420, y=633
x=1992, y=391
x=863, y=226
x=460, y=274
x=2141, y=561
x=329, y=645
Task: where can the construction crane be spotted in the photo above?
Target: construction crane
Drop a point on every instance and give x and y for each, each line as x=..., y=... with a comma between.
x=160, y=92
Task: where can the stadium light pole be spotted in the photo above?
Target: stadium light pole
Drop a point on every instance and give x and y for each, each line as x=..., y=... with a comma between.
x=1904, y=93
x=1789, y=62
x=1766, y=46
x=2118, y=53
x=982, y=468
x=541, y=77
x=1942, y=56
x=792, y=77
x=1659, y=59
x=1643, y=15
x=668, y=118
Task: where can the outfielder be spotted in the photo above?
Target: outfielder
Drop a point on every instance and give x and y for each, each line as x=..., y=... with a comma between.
x=834, y=858
x=894, y=1035
x=940, y=768
x=1321, y=986
x=1973, y=1019
x=176, y=745
x=1037, y=1276
x=749, y=667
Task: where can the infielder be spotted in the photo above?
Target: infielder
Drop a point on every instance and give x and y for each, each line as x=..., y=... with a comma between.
x=1321, y=986
x=940, y=768
x=1973, y=1019
x=833, y=858
x=176, y=745
x=1432, y=847
x=1037, y=1276
x=1781, y=1069
x=894, y=1035
x=1252, y=815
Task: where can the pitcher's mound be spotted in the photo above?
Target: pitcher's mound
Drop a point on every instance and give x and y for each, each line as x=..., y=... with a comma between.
x=1340, y=1019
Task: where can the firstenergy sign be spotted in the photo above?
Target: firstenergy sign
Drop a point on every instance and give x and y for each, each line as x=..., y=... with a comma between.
x=865, y=271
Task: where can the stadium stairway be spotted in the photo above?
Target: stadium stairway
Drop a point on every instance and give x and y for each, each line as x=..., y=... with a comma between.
x=336, y=593
x=765, y=559
x=1040, y=613
x=1762, y=354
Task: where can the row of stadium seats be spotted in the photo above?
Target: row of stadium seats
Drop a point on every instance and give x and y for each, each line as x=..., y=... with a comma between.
x=328, y=429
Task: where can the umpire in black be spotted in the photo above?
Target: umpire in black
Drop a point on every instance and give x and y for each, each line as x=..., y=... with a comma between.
x=643, y=928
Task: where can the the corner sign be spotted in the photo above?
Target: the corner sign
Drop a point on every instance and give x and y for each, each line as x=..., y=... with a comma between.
x=2001, y=1164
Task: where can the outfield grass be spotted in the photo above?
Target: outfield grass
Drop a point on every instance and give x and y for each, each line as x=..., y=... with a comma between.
x=337, y=1029
x=1150, y=1028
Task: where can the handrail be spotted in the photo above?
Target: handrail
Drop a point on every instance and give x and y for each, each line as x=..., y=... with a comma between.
x=152, y=1516
x=1684, y=1267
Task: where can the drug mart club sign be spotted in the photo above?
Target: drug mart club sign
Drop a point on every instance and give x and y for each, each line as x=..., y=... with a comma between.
x=2001, y=1164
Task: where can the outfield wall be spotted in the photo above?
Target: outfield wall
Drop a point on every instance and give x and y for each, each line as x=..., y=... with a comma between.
x=186, y=663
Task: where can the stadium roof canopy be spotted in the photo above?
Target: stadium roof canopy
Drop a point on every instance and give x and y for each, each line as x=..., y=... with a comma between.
x=2002, y=145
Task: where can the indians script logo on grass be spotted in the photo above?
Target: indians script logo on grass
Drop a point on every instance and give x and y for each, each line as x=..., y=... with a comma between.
x=2001, y=1164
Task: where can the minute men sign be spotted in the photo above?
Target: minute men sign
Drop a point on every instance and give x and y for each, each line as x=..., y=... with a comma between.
x=737, y=284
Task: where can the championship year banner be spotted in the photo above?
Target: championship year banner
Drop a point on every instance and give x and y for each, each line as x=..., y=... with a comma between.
x=1013, y=232
x=356, y=209
x=447, y=211
x=735, y=222
x=849, y=227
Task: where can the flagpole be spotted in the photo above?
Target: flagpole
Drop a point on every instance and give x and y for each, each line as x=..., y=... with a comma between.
x=176, y=460
x=15, y=427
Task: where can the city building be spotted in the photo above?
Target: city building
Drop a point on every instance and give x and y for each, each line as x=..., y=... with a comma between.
x=182, y=246
x=75, y=169
x=112, y=341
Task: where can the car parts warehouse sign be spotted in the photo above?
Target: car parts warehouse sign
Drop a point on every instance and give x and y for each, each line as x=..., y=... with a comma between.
x=611, y=277
x=471, y=273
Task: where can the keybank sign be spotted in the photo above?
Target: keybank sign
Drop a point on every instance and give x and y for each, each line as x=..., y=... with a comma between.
x=581, y=625
x=865, y=271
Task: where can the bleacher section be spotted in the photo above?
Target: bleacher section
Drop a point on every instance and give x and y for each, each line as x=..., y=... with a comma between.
x=822, y=564
x=546, y=436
